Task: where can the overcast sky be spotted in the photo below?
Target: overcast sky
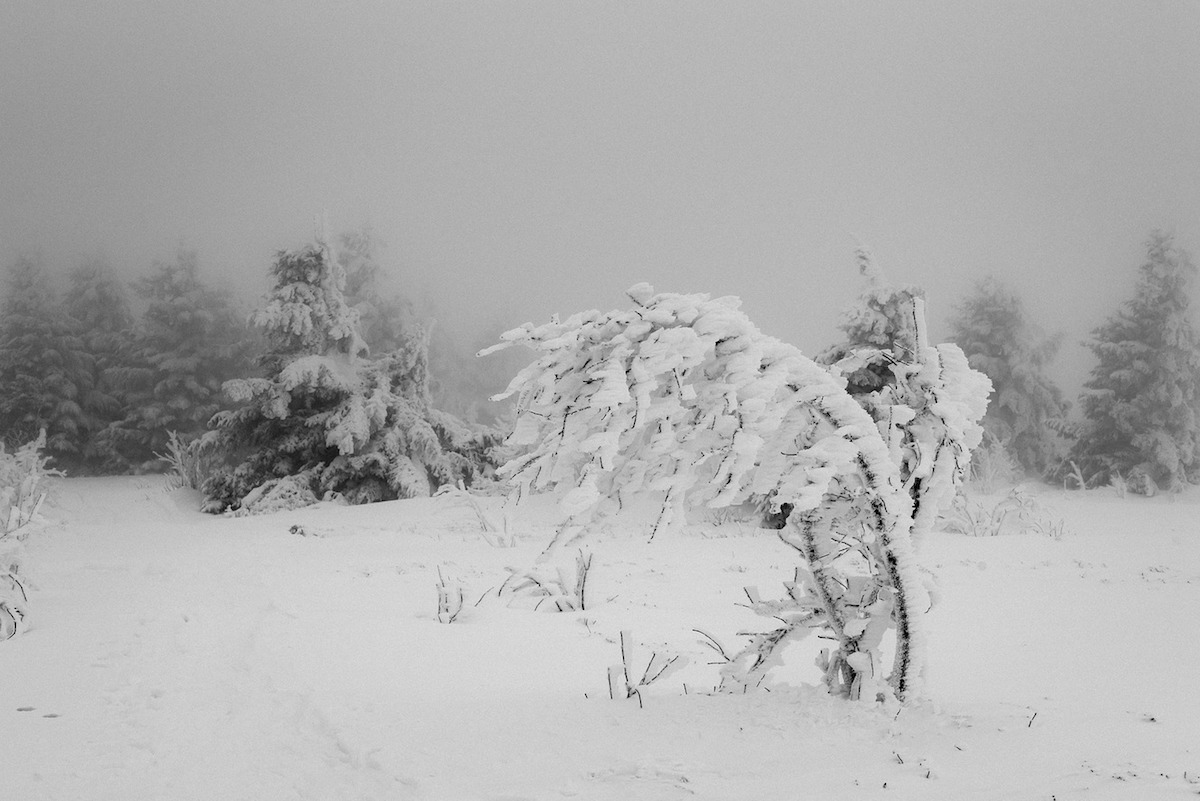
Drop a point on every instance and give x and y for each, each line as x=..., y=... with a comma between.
x=522, y=158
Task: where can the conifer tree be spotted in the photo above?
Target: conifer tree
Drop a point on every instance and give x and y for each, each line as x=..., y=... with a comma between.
x=383, y=320
x=458, y=383
x=44, y=369
x=1026, y=409
x=325, y=420
x=1140, y=403
x=99, y=306
x=190, y=340
x=879, y=327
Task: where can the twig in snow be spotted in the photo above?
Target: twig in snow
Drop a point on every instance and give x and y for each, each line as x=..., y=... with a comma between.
x=450, y=599
x=568, y=594
x=620, y=681
x=713, y=643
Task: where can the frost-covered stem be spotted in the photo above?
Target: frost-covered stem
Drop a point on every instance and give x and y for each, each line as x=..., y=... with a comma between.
x=919, y=325
x=890, y=522
x=626, y=655
x=815, y=551
x=905, y=668
x=568, y=533
x=899, y=564
x=893, y=525
x=583, y=564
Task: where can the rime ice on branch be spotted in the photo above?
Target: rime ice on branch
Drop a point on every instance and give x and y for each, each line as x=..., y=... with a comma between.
x=927, y=400
x=683, y=396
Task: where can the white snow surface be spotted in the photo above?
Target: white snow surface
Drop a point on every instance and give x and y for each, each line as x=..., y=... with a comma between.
x=175, y=655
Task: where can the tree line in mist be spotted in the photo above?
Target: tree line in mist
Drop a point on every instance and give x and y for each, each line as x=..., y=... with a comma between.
x=111, y=369
x=1136, y=422
x=116, y=372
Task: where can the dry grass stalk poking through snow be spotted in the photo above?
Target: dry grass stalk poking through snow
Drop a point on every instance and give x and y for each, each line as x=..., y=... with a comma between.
x=450, y=599
x=1018, y=512
x=623, y=679
x=498, y=536
x=551, y=589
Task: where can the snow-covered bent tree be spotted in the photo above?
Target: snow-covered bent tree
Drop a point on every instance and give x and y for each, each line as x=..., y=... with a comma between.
x=684, y=396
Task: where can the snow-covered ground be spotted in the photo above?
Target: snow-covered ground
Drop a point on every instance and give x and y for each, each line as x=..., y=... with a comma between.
x=174, y=655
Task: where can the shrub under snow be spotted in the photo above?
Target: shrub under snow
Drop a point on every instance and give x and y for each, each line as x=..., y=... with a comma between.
x=683, y=396
x=21, y=496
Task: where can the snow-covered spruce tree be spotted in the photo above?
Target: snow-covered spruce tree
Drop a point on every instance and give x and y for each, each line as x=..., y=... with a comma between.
x=682, y=395
x=1027, y=408
x=1141, y=402
x=98, y=304
x=326, y=420
x=190, y=340
x=384, y=321
x=458, y=384
x=44, y=368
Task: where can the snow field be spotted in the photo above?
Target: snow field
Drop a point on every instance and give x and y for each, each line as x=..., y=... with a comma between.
x=186, y=656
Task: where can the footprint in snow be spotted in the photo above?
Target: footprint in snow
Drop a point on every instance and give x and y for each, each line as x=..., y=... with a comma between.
x=30, y=709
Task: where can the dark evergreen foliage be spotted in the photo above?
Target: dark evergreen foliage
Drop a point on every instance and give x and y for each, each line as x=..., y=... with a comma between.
x=1140, y=403
x=1026, y=407
x=190, y=340
x=880, y=330
x=45, y=370
x=99, y=305
x=326, y=420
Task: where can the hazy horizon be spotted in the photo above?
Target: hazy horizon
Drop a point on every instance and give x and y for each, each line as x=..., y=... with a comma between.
x=527, y=158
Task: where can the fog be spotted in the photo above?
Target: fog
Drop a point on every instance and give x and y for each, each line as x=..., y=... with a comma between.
x=524, y=158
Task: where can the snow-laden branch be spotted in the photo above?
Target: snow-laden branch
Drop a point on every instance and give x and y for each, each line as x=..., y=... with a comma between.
x=683, y=396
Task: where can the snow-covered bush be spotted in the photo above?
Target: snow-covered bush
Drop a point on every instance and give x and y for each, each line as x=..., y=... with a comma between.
x=683, y=396
x=21, y=496
x=927, y=400
x=327, y=421
x=21, y=491
x=1018, y=512
x=550, y=589
x=191, y=461
x=992, y=465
